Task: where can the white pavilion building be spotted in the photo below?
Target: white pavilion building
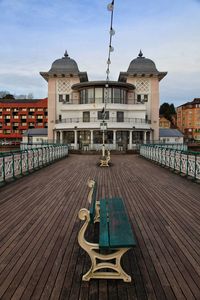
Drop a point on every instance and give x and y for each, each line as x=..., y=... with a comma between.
x=75, y=105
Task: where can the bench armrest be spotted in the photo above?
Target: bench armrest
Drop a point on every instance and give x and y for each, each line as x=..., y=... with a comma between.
x=90, y=184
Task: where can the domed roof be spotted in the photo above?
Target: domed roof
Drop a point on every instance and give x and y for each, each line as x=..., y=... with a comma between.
x=142, y=65
x=64, y=65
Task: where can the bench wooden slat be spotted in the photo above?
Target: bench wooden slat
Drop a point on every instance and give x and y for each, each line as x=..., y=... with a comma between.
x=120, y=232
x=103, y=229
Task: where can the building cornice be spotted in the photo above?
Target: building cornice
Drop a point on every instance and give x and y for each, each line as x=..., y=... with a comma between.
x=123, y=76
x=103, y=83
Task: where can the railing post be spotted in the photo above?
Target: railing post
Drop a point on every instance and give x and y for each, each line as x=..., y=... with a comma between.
x=13, y=165
x=33, y=159
x=180, y=168
x=187, y=166
x=195, y=167
x=4, y=175
x=174, y=159
x=38, y=157
x=27, y=164
x=21, y=169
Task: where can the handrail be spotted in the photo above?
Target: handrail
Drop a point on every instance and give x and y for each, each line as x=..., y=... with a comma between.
x=180, y=160
x=16, y=164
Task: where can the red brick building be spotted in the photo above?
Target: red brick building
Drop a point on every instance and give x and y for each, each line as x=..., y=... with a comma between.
x=19, y=115
x=188, y=119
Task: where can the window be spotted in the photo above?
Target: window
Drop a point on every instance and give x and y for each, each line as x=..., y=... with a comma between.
x=98, y=95
x=64, y=98
x=86, y=116
x=98, y=137
x=61, y=98
x=120, y=116
x=100, y=115
x=60, y=117
x=68, y=137
x=141, y=98
x=7, y=131
x=67, y=98
x=123, y=96
x=82, y=95
x=116, y=95
x=90, y=96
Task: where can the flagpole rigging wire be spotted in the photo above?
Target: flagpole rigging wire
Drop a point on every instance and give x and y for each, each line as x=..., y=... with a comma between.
x=112, y=32
x=110, y=7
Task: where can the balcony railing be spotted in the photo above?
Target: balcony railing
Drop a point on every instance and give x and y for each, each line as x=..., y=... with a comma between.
x=110, y=120
x=93, y=100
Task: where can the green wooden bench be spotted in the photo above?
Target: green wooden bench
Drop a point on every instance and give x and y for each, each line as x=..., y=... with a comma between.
x=115, y=236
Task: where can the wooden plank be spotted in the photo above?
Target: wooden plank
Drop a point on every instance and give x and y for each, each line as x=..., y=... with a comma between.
x=39, y=254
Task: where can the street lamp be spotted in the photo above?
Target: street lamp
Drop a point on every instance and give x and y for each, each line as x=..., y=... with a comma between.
x=103, y=127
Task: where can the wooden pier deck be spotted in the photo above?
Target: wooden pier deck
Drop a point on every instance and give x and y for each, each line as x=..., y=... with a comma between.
x=39, y=254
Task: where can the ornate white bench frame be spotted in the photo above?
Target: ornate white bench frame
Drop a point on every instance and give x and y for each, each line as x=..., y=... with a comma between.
x=100, y=261
x=105, y=162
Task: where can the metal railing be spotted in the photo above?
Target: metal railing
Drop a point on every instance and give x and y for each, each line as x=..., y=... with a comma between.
x=183, y=162
x=18, y=163
x=100, y=100
x=177, y=146
x=96, y=120
x=26, y=146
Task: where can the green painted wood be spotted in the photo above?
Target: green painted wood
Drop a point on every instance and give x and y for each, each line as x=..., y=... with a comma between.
x=120, y=231
x=93, y=203
x=103, y=227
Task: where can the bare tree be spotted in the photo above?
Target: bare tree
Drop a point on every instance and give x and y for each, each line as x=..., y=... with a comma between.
x=4, y=93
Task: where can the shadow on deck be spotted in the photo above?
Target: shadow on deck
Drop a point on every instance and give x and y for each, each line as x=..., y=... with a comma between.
x=39, y=254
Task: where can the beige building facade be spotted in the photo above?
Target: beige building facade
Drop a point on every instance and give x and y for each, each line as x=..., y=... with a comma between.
x=75, y=105
x=164, y=123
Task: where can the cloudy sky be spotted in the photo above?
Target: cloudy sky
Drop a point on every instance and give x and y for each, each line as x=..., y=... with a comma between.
x=33, y=33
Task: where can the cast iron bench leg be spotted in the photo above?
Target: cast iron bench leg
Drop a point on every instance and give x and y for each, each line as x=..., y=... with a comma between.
x=101, y=261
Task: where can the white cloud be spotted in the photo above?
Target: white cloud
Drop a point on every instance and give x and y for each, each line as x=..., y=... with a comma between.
x=34, y=34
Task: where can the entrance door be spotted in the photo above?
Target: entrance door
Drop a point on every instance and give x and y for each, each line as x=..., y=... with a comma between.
x=122, y=140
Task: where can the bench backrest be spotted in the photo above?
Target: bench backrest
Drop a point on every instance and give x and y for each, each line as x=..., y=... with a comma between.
x=92, y=199
x=115, y=228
